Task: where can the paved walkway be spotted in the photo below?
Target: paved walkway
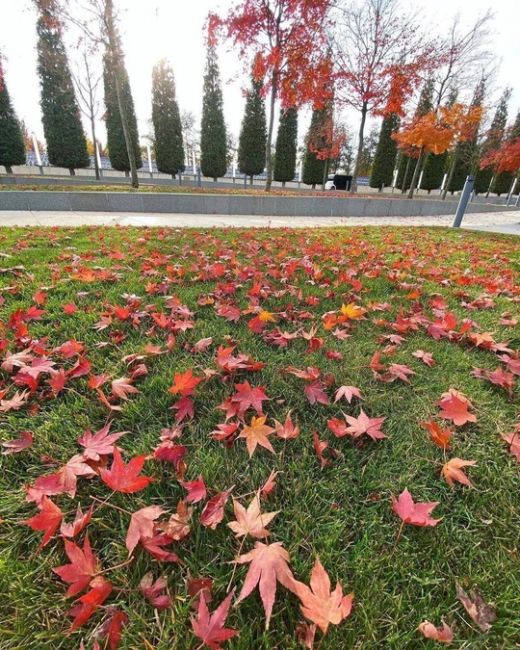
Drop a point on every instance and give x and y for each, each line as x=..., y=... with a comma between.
x=502, y=222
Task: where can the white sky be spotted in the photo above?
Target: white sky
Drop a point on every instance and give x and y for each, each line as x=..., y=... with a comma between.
x=152, y=29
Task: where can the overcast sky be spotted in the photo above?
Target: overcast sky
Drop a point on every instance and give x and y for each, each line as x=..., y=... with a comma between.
x=152, y=29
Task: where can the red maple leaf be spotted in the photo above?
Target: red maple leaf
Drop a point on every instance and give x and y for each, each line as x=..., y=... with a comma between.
x=315, y=393
x=416, y=514
x=209, y=628
x=82, y=568
x=100, y=443
x=213, y=512
x=247, y=396
x=112, y=627
x=89, y=602
x=122, y=388
x=321, y=605
x=80, y=521
x=196, y=490
x=141, y=525
x=363, y=424
x=153, y=591
x=184, y=383
x=16, y=446
x=347, y=392
x=48, y=520
x=454, y=406
x=125, y=478
x=269, y=565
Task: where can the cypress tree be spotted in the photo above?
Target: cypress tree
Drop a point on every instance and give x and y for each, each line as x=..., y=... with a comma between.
x=168, y=145
x=213, y=139
x=503, y=181
x=465, y=154
x=407, y=163
x=433, y=171
x=12, y=150
x=314, y=168
x=66, y=142
x=286, y=146
x=386, y=153
x=493, y=139
x=253, y=134
x=116, y=143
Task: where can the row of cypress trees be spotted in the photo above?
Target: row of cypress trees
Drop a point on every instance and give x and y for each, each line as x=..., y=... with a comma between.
x=66, y=141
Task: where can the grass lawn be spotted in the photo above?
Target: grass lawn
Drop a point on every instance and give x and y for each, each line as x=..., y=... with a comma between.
x=148, y=186
x=155, y=294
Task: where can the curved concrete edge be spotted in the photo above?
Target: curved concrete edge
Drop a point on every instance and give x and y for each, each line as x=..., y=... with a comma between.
x=230, y=204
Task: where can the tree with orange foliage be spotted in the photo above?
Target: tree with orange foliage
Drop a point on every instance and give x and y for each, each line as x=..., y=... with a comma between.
x=286, y=40
x=438, y=131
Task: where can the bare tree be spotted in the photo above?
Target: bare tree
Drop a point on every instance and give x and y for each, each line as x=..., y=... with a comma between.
x=87, y=84
x=98, y=23
x=466, y=57
x=371, y=38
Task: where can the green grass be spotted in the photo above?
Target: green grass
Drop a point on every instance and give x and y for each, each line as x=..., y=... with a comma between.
x=342, y=512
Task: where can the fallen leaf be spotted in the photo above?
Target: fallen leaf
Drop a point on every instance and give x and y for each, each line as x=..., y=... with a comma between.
x=256, y=433
x=48, y=520
x=269, y=565
x=319, y=604
x=481, y=612
x=82, y=568
x=210, y=628
x=453, y=471
x=141, y=525
x=125, y=478
x=252, y=521
x=416, y=514
x=16, y=446
x=454, y=406
x=153, y=591
x=213, y=512
x=442, y=634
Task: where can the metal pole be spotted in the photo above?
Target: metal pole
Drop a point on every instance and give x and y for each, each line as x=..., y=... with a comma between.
x=512, y=191
x=463, y=201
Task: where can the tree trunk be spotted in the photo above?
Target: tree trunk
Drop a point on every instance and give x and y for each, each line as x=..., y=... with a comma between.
x=416, y=174
x=251, y=179
x=283, y=183
x=8, y=169
x=450, y=176
x=405, y=176
x=72, y=171
x=112, y=39
x=325, y=174
x=361, y=133
x=93, y=130
x=268, y=152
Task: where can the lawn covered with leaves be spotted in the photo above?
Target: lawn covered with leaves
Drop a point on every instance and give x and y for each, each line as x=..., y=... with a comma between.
x=172, y=401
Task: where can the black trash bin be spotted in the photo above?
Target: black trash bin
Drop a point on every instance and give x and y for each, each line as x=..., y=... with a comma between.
x=342, y=182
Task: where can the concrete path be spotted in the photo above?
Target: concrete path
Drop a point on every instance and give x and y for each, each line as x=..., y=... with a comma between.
x=501, y=222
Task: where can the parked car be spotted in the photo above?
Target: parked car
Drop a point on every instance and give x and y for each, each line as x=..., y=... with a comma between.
x=338, y=182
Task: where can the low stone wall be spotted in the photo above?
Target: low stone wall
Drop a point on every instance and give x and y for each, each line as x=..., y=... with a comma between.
x=279, y=206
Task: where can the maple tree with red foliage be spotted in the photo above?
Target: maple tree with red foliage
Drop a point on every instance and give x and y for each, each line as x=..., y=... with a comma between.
x=278, y=35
